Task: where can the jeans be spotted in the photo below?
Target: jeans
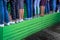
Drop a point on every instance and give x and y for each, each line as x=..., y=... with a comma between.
x=53, y=5
x=3, y=12
x=59, y=6
x=29, y=8
x=37, y=6
x=47, y=7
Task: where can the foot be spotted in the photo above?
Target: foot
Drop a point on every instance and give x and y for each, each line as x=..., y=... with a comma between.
x=29, y=18
x=17, y=21
x=21, y=20
x=12, y=22
x=54, y=12
x=38, y=15
x=41, y=14
x=57, y=11
x=8, y=24
x=35, y=16
x=1, y=25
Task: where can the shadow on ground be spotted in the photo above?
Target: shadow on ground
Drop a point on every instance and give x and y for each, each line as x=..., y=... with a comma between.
x=52, y=33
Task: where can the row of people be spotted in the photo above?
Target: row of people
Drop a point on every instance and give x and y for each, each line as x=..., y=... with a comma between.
x=39, y=7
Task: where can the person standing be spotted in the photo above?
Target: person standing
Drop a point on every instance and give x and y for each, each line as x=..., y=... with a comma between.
x=37, y=6
x=4, y=17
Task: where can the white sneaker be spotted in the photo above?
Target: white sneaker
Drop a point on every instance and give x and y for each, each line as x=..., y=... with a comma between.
x=1, y=25
x=29, y=18
x=17, y=21
x=12, y=22
x=21, y=20
x=57, y=11
x=7, y=24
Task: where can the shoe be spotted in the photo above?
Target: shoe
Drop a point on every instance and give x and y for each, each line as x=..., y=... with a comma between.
x=28, y=18
x=1, y=25
x=8, y=24
x=17, y=21
x=12, y=22
x=41, y=14
x=21, y=20
x=35, y=16
x=57, y=11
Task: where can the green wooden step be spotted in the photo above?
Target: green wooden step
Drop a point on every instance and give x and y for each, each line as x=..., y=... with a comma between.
x=28, y=27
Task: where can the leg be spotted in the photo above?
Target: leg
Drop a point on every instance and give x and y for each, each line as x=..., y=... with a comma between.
x=16, y=9
x=21, y=10
x=28, y=8
x=51, y=8
x=54, y=5
x=43, y=3
x=58, y=6
x=1, y=12
x=13, y=13
x=31, y=8
x=35, y=6
x=38, y=6
x=47, y=7
x=6, y=16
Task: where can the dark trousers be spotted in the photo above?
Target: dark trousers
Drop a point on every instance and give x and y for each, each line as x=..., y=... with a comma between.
x=14, y=9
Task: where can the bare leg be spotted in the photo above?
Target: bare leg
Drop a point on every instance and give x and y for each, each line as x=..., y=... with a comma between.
x=10, y=17
x=21, y=13
x=42, y=10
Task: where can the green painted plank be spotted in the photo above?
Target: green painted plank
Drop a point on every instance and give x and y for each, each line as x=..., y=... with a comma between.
x=28, y=27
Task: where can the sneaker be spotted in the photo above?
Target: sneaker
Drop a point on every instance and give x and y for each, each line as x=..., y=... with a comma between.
x=1, y=25
x=21, y=20
x=12, y=22
x=17, y=21
x=7, y=24
x=28, y=18
x=57, y=11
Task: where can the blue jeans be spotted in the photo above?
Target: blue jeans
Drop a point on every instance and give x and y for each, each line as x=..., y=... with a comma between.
x=53, y=5
x=3, y=12
x=29, y=8
x=47, y=7
x=59, y=6
x=37, y=6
